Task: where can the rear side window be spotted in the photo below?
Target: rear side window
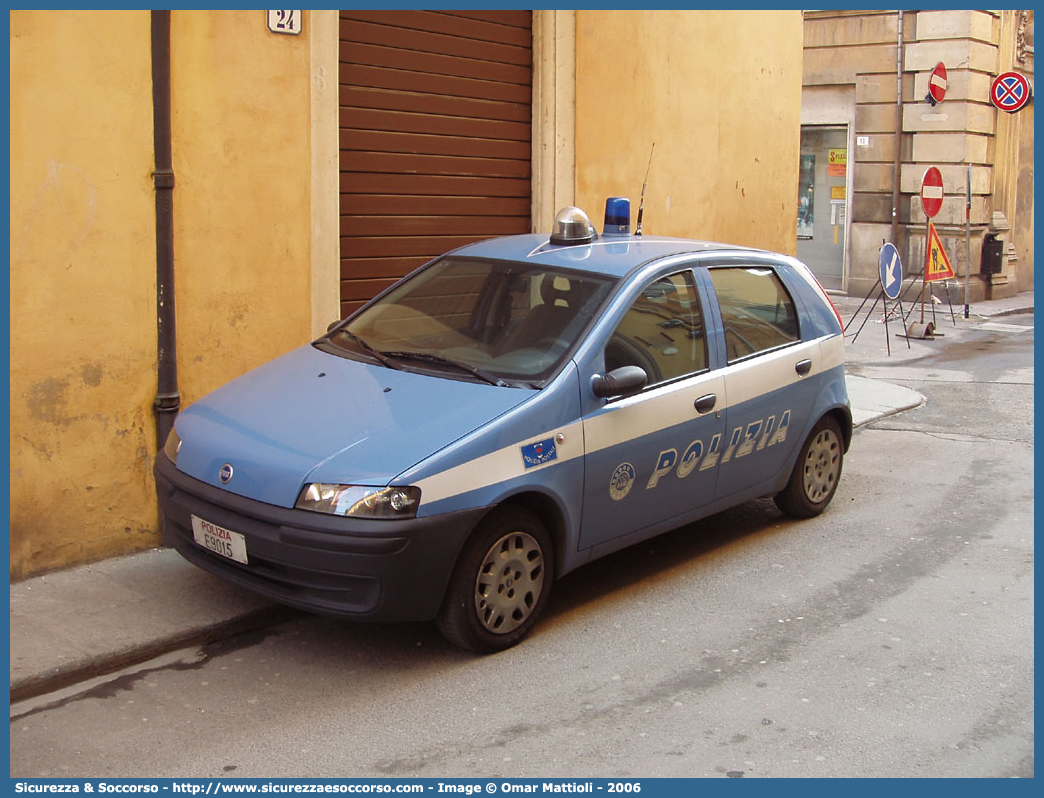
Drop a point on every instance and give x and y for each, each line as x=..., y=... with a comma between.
x=757, y=311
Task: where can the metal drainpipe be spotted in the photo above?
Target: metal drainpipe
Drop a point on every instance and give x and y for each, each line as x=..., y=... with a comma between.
x=168, y=399
x=897, y=162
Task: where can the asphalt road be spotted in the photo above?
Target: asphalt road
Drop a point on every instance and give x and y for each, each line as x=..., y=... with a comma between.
x=892, y=636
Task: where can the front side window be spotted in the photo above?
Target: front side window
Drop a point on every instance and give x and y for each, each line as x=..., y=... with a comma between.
x=757, y=312
x=470, y=318
x=662, y=332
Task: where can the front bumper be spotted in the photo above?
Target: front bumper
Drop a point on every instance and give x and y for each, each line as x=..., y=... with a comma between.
x=367, y=570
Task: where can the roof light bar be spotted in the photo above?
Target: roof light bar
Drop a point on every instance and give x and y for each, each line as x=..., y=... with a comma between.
x=572, y=226
x=617, y=216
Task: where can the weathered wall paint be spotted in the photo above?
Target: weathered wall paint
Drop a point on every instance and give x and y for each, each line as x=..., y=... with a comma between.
x=83, y=285
x=720, y=94
x=242, y=226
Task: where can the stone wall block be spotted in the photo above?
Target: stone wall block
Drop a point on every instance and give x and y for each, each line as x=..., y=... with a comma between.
x=879, y=88
x=949, y=148
x=875, y=119
x=864, y=245
x=832, y=29
x=962, y=24
x=842, y=65
x=954, y=178
x=874, y=177
x=954, y=246
x=961, y=84
x=879, y=148
x=871, y=207
x=954, y=53
x=952, y=211
x=948, y=117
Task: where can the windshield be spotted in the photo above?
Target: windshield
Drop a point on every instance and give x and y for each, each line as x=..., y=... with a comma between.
x=468, y=318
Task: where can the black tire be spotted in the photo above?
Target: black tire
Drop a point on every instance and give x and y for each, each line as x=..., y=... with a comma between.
x=816, y=472
x=500, y=583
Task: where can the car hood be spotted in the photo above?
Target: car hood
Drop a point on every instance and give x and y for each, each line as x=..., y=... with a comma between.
x=310, y=416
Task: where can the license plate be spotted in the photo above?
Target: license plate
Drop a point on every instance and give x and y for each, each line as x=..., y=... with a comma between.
x=219, y=540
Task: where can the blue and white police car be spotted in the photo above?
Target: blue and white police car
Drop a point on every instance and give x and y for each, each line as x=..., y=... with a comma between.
x=506, y=413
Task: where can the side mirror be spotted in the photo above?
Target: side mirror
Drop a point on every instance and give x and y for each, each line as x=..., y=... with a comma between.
x=330, y=327
x=624, y=381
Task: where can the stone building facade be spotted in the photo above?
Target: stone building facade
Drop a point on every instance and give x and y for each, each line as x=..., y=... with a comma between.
x=869, y=133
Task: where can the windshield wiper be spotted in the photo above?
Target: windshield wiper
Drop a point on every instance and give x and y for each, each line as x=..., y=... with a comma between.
x=485, y=376
x=374, y=353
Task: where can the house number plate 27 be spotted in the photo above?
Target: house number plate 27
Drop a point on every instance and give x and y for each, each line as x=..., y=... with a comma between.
x=285, y=22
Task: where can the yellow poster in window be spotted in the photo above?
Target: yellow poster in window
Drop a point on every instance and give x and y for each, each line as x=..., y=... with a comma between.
x=837, y=163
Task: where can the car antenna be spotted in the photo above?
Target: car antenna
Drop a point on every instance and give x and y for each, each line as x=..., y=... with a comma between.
x=645, y=185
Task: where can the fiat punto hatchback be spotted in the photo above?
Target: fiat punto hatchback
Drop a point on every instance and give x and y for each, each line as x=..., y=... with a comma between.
x=503, y=415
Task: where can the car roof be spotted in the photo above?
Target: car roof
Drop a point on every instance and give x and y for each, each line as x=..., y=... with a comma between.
x=615, y=255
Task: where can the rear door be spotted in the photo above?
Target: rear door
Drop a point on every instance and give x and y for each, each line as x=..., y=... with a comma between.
x=769, y=372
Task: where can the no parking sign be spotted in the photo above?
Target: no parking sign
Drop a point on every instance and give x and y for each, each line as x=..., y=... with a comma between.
x=1010, y=92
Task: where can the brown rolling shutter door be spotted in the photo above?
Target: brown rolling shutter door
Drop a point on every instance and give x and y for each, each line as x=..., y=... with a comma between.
x=435, y=138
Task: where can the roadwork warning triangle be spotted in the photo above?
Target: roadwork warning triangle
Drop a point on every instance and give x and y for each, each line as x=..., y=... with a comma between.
x=936, y=264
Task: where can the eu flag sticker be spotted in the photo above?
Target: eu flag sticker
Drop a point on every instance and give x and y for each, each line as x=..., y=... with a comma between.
x=538, y=453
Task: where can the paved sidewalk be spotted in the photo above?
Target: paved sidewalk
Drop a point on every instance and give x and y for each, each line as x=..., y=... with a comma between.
x=866, y=346
x=83, y=622
x=73, y=625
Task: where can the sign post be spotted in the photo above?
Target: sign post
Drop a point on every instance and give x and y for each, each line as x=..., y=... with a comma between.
x=937, y=266
x=967, y=241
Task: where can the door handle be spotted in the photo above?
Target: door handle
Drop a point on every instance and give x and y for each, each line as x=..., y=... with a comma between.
x=803, y=367
x=705, y=403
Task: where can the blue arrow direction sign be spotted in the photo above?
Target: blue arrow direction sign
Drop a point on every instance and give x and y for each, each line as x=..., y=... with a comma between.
x=891, y=270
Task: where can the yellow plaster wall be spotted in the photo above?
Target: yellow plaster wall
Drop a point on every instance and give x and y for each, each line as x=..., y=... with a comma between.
x=83, y=285
x=242, y=228
x=719, y=92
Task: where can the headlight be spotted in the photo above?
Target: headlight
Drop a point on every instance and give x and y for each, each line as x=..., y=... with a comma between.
x=359, y=501
x=172, y=446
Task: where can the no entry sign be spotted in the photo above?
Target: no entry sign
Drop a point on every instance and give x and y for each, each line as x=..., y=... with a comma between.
x=1010, y=92
x=937, y=84
x=931, y=192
